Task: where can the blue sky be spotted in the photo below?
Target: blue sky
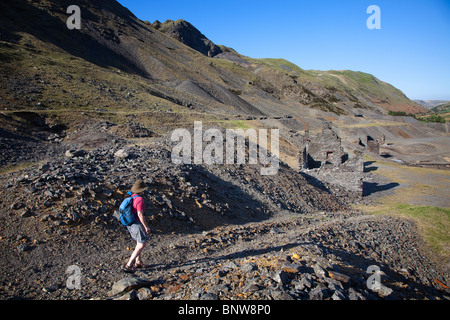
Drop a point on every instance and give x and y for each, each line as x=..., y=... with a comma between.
x=411, y=50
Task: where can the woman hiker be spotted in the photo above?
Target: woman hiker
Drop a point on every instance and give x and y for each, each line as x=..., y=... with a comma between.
x=138, y=230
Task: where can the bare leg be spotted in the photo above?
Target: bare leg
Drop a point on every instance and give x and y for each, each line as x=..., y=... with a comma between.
x=135, y=256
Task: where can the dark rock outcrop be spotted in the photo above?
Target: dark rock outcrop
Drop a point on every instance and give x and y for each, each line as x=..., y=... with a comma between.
x=186, y=33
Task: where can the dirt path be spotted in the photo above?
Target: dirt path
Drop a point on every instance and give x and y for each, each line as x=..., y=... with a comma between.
x=344, y=241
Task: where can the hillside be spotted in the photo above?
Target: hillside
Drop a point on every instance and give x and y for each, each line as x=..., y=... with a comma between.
x=336, y=91
x=363, y=89
x=87, y=112
x=442, y=110
x=154, y=68
x=118, y=66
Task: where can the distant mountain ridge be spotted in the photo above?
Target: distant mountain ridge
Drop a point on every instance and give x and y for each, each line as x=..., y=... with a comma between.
x=429, y=104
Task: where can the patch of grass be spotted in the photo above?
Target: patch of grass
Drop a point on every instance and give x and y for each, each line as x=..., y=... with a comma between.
x=286, y=67
x=237, y=124
x=282, y=63
x=17, y=167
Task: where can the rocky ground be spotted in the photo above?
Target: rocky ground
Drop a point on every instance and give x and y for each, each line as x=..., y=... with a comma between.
x=218, y=232
x=296, y=258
